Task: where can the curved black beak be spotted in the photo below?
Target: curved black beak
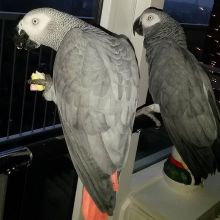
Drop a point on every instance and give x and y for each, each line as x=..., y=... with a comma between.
x=137, y=27
x=22, y=41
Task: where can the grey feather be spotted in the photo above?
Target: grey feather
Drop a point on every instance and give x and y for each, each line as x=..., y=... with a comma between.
x=103, y=109
x=184, y=105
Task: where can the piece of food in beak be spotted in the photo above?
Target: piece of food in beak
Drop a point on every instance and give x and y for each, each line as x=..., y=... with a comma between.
x=37, y=76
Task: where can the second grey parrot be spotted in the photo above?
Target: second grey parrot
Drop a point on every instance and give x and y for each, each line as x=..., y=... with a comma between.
x=95, y=82
x=183, y=91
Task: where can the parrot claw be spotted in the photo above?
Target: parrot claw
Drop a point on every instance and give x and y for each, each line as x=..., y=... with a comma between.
x=37, y=82
x=40, y=81
x=149, y=112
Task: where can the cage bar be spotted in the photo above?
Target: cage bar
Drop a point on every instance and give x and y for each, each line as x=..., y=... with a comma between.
x=11, y=93
x=1, y=48
x=24, y=93
x=46, y=104
x=55, y=115
x=36, y=94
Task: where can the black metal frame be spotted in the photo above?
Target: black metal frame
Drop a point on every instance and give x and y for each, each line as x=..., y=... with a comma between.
x=14, y=162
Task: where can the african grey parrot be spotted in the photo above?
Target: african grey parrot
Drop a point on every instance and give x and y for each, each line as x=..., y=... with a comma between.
x=95, y=81
x=181, y=88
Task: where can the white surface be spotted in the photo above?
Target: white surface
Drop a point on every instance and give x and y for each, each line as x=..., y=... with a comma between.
x=155, y=199
x=180, y=186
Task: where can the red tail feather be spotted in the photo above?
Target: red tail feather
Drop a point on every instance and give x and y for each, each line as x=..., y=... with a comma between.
x=89, y=209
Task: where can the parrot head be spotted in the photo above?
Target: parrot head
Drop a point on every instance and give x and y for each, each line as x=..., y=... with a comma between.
x=153, y=23
x=149, y=18
x=43, y=26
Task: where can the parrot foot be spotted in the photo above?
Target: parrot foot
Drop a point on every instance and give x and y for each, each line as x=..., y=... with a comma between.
x=149, y=112
x=43, y=82
x=40, y=81
x=49, y=82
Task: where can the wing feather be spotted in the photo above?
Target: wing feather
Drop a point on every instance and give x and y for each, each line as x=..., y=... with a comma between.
x=96, y=80
x=180, y=86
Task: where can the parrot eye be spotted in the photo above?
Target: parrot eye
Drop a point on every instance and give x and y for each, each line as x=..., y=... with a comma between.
x=150, y=17
x=35, y=21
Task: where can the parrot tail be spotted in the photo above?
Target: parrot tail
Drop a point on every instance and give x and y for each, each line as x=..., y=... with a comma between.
x=89, y=209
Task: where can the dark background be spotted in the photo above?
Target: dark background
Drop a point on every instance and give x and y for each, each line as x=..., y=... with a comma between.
x=85, y=8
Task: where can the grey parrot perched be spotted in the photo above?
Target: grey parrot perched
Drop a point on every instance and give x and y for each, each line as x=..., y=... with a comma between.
x=95, y=82
x=181, y=88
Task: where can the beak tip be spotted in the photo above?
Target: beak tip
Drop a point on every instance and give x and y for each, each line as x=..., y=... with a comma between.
x=137, y=27
x=134, y=32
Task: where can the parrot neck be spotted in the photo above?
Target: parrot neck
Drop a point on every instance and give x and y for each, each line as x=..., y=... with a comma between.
x=151, y=43
x=71, y=22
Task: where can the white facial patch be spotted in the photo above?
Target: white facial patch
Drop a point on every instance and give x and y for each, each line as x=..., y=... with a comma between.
x=149, y=20
x=33, y=24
